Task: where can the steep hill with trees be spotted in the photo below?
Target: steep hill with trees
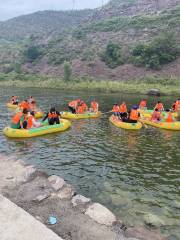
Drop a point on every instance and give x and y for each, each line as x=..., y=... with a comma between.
x=122, y=40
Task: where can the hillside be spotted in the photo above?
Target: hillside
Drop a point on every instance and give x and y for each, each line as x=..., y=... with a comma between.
x=82, y=37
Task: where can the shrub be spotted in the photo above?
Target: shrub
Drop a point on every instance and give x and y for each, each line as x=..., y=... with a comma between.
x=112, y=55
x=161, y=50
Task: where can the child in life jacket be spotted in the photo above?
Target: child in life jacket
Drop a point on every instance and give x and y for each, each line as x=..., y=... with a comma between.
x=156, y=116
x=53, y=116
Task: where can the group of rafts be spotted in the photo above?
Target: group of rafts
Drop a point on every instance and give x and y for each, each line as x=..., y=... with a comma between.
x=24, y=123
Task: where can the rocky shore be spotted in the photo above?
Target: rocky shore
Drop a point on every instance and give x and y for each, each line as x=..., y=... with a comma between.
x=78, y=218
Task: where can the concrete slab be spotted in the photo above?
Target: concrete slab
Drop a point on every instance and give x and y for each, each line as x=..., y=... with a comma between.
x=16, y=224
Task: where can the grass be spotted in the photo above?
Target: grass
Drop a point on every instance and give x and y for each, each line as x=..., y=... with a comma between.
x=139, y=86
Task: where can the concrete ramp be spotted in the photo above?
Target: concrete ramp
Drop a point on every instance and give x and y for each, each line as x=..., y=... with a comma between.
x=16, y=224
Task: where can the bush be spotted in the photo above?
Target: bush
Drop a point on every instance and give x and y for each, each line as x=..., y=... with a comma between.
x=32, y=53
x=67, y=71
x=161, y=50
x=112, y=55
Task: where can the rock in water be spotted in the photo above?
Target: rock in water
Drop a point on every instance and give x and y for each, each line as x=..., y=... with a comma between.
x=56, y=182
x=80, y=200
x=153, y=220
x=154, y=92
x=101, y=214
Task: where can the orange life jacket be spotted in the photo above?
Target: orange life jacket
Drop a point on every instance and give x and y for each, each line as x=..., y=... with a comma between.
x=16, y=118
x=159, y=106
x=24, y=105
x=80, y=109
x=52, y=115
x=177, y=106
x=73, y=103
x=115, y=108
x=142, y=104
x=94, y=106
x=85, y=107
x=134, y=115
x=169, y=117
x=123, y=108
x=30, y=122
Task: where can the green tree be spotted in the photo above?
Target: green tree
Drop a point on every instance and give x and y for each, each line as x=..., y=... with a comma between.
x=112, y=55
x=32, y=53
x=67, y=71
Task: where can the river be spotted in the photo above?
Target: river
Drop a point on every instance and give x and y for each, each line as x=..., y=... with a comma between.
x=132, y=173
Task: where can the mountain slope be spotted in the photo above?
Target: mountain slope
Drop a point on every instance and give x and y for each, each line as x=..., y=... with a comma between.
x=81, y=38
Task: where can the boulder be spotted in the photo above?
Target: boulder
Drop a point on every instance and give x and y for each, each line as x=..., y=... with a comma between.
x=142, y=233
x=100, y=214
x=154, y=92
x=153, y=220
x=40, y=198
x=56, y=182
x=67, y=192
x=80, y=200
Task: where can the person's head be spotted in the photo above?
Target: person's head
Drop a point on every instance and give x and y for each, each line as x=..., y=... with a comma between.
x=167, y=110
x=25, y=111
x=33, y=113
x=12, y=96
x=52, y=110
x=115, y=104
x=135, y=107
x=25, y=100
x=123, y=103
x=159, y=102
x=33, y=102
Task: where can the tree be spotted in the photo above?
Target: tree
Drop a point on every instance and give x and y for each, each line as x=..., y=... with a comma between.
x=67, y=71
x=32, y=53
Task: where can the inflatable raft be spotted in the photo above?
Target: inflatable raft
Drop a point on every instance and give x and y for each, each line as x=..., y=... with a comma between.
x=148, y=113
x=124, y=125
x=33, y=132
x=175, y=126
x=12, y=106
x=68, y=115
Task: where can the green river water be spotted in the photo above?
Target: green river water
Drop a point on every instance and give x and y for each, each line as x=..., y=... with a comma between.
x=131, y=172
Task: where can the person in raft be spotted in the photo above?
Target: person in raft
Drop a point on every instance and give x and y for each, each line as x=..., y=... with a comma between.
x=24, y=105
x=73, y=105
x=143, y=105
x=177, y=105
x=123, y=111
x=115, y=110
x=94, y=106
x=134, y=115
x=159, y=106
x=156, y=116
x=14, y=100
x=169, y=117
x=18, y=119
x=53, y=116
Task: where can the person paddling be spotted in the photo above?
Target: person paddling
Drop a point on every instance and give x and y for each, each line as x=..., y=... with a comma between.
x=53, y=116
x=134, y=115
x=123, y=111
x=73, y=105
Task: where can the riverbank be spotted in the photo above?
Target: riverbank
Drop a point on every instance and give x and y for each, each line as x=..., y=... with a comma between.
x=138, y=86
x=77, y=217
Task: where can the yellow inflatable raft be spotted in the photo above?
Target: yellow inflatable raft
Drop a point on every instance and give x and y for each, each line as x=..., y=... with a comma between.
x=148, y=113
x=33, y=132
x=124, y=125
x=68, y=115
x=164, y=125
x=12, y=106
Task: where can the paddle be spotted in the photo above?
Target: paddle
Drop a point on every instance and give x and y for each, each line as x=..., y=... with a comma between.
x=143, y=124
x=106, y=112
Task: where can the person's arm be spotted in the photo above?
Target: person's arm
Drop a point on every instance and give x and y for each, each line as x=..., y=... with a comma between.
x=46, y=116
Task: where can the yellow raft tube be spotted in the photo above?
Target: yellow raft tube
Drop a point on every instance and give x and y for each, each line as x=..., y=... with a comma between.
x=12, y=106
x=175, y=126
x=33, y=132
x=69, y=115
x=148, y=113
x=124, y=125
